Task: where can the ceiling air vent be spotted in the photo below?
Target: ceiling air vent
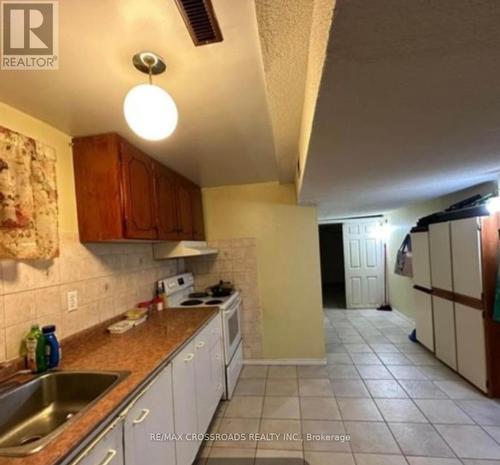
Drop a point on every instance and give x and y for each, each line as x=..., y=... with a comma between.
x=200, y=20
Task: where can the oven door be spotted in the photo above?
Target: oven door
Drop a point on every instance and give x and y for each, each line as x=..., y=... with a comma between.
x=232, y=329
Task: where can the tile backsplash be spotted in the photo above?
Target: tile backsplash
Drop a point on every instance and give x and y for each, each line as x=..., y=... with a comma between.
x=235, y=262
x=109, y=279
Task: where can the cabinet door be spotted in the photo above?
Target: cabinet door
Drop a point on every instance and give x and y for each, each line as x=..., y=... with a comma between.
x=184, y=209
x=471, y=349
x=440, y=248
x=421, y=259
x=166, y=203
x=466, y=254
x=444, y=331
x=185, y=409
x=108, y=450
x=197, y=211
x=138, y=193
x=204, y=387
x=217, y=374
x=151, y=413
x=423, y=319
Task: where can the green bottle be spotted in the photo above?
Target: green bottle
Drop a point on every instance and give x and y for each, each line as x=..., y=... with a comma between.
x=35, y=350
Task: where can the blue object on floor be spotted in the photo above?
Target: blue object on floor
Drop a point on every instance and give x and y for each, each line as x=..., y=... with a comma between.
x=413, y=336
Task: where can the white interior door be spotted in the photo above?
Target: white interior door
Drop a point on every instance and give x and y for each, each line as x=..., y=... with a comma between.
x=364, y=264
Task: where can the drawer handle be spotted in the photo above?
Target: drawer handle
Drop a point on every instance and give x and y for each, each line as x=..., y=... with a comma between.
x=109, y=457
x=142, y=416
x=189, y=358
x=200, y=345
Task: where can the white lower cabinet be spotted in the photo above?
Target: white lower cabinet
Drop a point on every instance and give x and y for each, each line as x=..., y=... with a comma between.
x=444, y=331
x=471, y=349
x=209, y=371
x=106, y=450
x=424, y=322
x=148, y=422
x=181, y=399
x=185, y=408
x=217, y=374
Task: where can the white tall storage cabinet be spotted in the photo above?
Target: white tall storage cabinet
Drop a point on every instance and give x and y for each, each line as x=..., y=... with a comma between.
x=455, y=267
x=424, y=320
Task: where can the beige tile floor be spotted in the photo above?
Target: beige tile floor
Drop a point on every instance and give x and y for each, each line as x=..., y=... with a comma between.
x=395, y=401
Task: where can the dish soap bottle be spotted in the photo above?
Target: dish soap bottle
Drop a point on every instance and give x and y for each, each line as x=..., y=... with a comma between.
x=35, y=350
x=52, y=347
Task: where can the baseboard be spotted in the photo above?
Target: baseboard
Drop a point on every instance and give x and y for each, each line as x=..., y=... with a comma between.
x=285, y=361
x=402, y=315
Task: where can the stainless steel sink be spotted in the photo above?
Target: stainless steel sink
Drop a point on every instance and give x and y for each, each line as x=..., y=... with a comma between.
x=33, y=413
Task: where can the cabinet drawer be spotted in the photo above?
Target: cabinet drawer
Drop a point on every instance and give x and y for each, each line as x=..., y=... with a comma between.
x=212, y=333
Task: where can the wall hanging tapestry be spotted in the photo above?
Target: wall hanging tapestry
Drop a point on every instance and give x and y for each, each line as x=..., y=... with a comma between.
x=28, y=198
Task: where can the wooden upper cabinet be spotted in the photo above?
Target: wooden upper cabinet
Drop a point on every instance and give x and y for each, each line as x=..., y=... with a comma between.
x=138, y=193
x=166, y=203
x=185, y=209
x=123, y=194
x=197, y=208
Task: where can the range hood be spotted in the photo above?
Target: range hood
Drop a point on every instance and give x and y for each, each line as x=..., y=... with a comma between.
x=165, y=250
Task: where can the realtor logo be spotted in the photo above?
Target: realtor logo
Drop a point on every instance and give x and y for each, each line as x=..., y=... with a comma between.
x=30, y=35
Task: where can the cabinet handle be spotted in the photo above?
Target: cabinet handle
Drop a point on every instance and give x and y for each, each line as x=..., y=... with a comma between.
x=200, y=345
x=189, y=358
x=109, y=456
x=142, y=416
x=217, y=357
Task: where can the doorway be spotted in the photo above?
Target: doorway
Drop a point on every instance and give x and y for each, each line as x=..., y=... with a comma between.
x=352, y=264
x=332, y=265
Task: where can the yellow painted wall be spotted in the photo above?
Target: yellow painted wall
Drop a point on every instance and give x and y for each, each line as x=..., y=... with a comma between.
x=288, y=261
x=402, y=220
x=32, y=127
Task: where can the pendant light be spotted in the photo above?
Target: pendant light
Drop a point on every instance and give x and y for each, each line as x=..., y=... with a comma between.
x=149, y=110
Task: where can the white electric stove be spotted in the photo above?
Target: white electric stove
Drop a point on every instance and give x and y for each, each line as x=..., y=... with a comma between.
x=179, y=291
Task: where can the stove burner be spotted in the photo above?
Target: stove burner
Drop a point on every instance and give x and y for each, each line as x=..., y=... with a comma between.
x=213, y=302
x=191, y=302
x=198, y=295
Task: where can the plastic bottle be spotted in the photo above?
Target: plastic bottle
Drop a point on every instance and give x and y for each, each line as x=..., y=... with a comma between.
x=35, y=347
x=52, y=347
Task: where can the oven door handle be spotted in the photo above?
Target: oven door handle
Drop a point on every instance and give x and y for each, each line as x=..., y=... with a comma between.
x=232, y=309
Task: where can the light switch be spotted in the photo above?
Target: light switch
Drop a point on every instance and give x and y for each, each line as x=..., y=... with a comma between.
x=72, y=297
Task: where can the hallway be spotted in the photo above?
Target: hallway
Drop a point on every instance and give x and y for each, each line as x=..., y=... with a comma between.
x=398, y=404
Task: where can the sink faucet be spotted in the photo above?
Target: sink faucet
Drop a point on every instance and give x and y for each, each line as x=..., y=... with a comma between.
x=5, y=385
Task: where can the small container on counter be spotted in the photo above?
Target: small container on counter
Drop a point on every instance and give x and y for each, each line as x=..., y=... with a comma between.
x=35, y=350
x=52, y=347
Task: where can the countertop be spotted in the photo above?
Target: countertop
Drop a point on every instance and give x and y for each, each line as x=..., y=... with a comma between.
x=141, y=351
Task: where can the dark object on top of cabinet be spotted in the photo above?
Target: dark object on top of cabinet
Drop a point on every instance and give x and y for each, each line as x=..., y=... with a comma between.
x=123, y=194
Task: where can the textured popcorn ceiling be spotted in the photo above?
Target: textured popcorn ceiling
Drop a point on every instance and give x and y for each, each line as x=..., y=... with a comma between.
x=409, y=104
x=293, y=36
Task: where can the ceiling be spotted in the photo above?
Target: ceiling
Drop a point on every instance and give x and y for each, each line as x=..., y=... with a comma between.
x=409, y=105
x=224, y=134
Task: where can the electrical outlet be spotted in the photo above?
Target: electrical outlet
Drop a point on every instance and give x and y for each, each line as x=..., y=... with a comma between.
x=72, y=297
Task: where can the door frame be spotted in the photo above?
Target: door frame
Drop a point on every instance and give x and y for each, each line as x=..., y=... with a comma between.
x=381, y=219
